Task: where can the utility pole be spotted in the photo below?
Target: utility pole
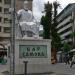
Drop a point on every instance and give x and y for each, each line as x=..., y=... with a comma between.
x=12, y=41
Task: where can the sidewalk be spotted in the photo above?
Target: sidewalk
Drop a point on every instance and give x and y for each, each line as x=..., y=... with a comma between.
x=46, y=69
x=2, y=69
x=63, y=69
x=59, y=68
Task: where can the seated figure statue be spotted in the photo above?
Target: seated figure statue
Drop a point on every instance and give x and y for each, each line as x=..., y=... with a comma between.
x=27, y=21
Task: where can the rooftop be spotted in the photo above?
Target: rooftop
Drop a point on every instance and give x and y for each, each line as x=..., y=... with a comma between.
x=66, y=8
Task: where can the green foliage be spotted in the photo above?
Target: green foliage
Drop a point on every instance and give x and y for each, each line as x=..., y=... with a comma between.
x=66, y=47
x=41, y=33
x=56, y=41
x=49, y=25
x=46, y=28
x=48, y=10
x=73, y=38
x=73, y=34
x=46, y=21
x=55, y=36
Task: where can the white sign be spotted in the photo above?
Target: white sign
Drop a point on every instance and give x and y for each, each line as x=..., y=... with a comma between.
x=32, y=51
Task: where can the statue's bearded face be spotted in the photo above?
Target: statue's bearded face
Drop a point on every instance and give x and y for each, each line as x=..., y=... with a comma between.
x=26, y=5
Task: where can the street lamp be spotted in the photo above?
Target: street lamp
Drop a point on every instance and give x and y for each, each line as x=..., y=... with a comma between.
x=12, y=42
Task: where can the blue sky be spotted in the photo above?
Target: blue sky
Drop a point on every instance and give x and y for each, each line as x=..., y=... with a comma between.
x=38, y=6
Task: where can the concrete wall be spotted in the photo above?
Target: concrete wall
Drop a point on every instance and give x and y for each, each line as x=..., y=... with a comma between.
x=19, y=65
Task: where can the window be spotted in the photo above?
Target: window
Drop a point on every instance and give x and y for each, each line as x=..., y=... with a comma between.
x=6, y=10
x=0, y=1
x=7, y=1
x=0, y=28
x=0, y=9
x=6, y=20
x=0, y=19
x=7, y=29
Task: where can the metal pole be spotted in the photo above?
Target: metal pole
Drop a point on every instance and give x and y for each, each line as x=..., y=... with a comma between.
x=25, y=67
x=12, y=41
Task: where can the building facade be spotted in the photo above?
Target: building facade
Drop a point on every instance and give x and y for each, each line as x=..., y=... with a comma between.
x=66, y=23
x=4, y=21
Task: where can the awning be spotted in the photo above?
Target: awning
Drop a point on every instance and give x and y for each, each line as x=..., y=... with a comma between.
x=73, y=50
x=2, y=47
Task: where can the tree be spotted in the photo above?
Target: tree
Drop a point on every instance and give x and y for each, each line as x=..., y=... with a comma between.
x=56, y=41
x=73, y=38
x=66, y=47
x=46, y=21
x=49, y=24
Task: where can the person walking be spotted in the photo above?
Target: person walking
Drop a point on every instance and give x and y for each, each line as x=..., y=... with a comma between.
x=66, y=59
x=73, y=61
x=5, y=59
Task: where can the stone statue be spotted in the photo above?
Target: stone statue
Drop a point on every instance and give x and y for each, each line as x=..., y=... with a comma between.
x=25, y=14
x=27, y=21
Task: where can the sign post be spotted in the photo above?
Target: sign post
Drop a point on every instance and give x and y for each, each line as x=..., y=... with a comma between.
x=25, y=68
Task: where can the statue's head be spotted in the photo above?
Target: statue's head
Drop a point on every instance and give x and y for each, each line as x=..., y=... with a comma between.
x=26, y=5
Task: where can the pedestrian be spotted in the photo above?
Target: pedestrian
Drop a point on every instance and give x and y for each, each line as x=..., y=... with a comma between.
x=73, y=61
x=0, y=59
x=5, y=58
x=70, y=58
x=67, y=59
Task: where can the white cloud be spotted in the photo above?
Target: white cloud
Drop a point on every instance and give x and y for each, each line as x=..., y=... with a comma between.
x=38, y=6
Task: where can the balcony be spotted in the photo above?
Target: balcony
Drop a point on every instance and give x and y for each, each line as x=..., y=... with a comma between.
x=66, y=34
x=67, y=40
x=64, y=28
x=4, y=34
x=64, y=22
